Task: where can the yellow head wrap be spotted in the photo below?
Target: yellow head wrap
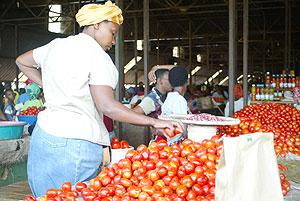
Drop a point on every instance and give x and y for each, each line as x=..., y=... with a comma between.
x=95, y=13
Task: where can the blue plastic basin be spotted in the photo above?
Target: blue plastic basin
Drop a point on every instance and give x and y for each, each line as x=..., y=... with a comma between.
x=11, y=129
x=29, y=119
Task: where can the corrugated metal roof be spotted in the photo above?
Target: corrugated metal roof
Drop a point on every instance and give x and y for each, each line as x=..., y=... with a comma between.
x=7, y=69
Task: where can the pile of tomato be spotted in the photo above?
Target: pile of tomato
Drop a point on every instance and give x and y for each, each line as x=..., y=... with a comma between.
x=158, y=172
x=31, y=111
x=117, y=144
x=280, y=119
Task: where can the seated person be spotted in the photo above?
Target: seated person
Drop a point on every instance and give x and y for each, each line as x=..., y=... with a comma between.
x=9, y=108
x=219, y=97
x=238, y=100
x=175, y=102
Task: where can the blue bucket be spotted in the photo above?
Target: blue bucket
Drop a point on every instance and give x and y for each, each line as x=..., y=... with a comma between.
x=11, y=129
x=29, y=119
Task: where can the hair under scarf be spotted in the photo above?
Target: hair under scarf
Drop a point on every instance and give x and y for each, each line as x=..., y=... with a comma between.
x=95, y=13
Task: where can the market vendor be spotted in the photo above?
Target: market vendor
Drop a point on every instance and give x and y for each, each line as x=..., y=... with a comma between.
x=78, y=78
x=238, y=100
x=33, y=91
x=151, y=104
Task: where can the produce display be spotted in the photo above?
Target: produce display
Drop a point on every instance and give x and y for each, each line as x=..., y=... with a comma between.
x=186, y=171
x=280, y=119
x=117, y=144
x=31, y=111
x=158, y=172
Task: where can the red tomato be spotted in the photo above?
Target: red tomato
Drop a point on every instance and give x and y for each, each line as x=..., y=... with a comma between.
x=115, y=145
x=124, y=144
x=51, y=193
x=115, y=139
x=29, y=198
x=134, y=191
x=176, y=131
x=202, y=180
x=66, y=187
x=79, y=186
x=182, y=191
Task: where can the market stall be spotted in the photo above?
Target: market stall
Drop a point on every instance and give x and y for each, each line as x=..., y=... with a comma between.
x=190, y=170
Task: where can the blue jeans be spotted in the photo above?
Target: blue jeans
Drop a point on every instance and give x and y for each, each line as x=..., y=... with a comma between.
x=54, y=160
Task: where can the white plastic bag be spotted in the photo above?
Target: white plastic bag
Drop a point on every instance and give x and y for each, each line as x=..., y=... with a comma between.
x=248, y=170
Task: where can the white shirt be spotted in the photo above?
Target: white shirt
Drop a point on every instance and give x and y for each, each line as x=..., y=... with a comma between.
x=69, y=66
x=238, y=105
x=174, y=104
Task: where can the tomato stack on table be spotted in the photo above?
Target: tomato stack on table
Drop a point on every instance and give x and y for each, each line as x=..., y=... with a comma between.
x=158, y=172
x=186, y=171
x=31, y=111
x=280, y=119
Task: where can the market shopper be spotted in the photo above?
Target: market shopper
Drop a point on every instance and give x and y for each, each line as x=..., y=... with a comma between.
x=175, y=102
x=9, y=107
x=151, y=104
x=78, y=78
x=238, y=100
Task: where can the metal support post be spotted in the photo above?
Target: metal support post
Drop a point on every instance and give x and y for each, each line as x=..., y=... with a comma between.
x=190, y=50
x=146, y=44
x=135, y=49
x=16, y=54
x=287, y=42
x=158, y=44
x=232, y=53
x=119, y=62
x=245, y=50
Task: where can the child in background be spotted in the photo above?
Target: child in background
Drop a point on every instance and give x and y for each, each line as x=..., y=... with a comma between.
x=9, y=108
x=175, y=102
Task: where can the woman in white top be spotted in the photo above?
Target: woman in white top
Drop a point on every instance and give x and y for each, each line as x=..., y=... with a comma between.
x=78, y=78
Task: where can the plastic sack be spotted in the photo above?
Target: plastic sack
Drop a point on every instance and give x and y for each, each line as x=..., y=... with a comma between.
x=248, y=169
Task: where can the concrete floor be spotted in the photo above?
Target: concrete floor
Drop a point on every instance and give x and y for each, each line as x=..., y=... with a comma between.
x=14, y=192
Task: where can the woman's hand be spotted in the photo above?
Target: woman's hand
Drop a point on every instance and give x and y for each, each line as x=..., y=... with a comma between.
x=170, y=125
